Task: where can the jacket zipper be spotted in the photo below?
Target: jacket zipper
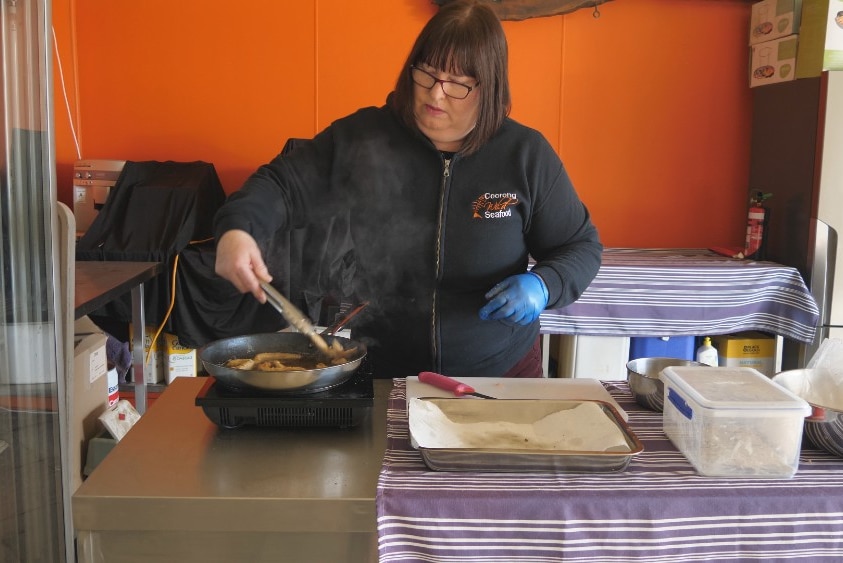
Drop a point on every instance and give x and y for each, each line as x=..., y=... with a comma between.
x=446, y=173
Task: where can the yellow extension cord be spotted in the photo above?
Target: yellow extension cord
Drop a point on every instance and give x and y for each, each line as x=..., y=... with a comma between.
x=172, y=302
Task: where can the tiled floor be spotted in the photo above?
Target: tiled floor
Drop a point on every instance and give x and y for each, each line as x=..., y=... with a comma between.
x=30, y=511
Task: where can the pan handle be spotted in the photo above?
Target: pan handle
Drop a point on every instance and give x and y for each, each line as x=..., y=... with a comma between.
x=334, y=328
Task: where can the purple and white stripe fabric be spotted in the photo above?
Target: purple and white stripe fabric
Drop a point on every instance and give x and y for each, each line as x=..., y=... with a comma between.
x=657, y=510
x=687, y=292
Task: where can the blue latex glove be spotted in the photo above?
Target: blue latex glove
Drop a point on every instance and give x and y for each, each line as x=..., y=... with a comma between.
x=518, y=299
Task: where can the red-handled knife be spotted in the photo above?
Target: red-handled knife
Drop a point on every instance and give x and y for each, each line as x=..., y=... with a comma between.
x=444, y=382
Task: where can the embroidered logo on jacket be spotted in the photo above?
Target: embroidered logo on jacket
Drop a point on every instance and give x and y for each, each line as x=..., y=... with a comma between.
x=494, y=206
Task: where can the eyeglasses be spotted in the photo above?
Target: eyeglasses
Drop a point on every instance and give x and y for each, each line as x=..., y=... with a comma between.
x=451, y=89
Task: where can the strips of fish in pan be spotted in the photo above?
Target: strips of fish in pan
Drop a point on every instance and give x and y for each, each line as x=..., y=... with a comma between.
x=240, y=363
x=275, y=365
x=269, y=356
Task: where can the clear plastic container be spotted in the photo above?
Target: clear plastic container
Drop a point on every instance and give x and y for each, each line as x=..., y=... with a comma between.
x=733, y=422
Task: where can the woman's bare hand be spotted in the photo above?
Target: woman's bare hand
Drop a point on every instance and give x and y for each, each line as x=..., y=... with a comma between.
x=239, y=260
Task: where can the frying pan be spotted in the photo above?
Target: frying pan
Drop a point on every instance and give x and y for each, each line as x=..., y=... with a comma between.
x=215, y=354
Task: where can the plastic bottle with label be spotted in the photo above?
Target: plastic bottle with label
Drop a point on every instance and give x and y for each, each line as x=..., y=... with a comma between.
x=706, y=353
x=113, y=386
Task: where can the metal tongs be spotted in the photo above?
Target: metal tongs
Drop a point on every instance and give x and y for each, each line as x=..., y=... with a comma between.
x=298, y=320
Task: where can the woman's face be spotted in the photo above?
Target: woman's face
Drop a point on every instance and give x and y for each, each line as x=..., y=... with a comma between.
x=445, y=120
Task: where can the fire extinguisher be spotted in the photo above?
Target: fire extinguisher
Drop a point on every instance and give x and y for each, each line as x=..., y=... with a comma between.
x=757, y=219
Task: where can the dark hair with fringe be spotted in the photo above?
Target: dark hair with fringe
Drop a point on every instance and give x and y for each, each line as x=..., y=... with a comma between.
x=466, y=38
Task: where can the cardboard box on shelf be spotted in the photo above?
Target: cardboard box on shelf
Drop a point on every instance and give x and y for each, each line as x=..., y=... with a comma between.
x=749, y=349
x=773, y=61
x=772, y=19
x=89, y=392
x=181, y=361
x=153, y=363
x=820, y=38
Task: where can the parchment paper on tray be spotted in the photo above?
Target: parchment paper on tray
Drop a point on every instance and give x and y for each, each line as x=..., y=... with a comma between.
x=520, y=435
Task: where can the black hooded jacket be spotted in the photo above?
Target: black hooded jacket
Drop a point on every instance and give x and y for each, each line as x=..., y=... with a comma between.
x=431, y=234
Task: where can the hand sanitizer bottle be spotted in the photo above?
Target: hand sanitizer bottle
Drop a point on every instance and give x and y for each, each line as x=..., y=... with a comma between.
x=707, y=354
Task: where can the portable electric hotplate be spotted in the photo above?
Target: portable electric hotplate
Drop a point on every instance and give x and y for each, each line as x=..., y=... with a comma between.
x=343, y=406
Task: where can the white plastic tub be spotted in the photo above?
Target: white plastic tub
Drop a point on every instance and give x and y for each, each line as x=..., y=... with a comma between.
x=733, y=422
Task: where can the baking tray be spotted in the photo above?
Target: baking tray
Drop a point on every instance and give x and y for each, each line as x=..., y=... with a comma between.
x=523, y=435
x=568, y=388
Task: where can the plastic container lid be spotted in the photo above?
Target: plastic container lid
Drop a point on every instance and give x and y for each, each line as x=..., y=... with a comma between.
x=732, y=388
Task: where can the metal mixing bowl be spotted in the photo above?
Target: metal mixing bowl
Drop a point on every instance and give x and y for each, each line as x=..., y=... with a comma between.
x=644, y=376
x=824, y=427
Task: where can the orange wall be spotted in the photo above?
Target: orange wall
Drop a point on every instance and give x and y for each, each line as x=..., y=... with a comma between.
x=647, y=105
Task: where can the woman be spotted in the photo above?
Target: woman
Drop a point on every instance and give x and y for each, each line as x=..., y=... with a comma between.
x=447, y=199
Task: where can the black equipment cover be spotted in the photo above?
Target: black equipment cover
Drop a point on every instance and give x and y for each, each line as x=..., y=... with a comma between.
x=158, y=211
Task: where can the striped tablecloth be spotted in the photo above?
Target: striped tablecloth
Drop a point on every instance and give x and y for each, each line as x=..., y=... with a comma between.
x=687, y=292
x=658, y=510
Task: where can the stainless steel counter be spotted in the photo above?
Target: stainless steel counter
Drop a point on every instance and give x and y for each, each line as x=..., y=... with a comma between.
x=178, y=488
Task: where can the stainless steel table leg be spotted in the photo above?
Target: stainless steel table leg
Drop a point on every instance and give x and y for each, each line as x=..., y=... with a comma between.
x=546, y=356
x=138, y=360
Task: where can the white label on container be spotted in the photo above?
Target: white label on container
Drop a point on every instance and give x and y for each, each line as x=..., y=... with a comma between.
x=97, y=364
